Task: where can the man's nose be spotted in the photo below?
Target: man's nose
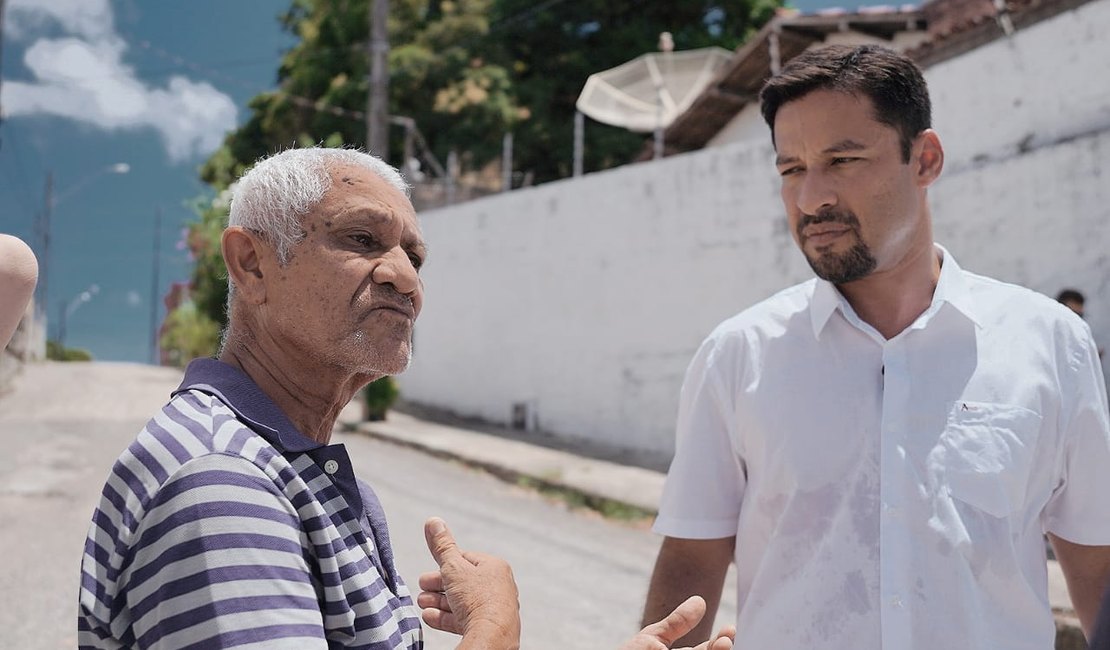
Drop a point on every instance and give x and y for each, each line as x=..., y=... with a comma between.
x=815, y=194
x=397, y=270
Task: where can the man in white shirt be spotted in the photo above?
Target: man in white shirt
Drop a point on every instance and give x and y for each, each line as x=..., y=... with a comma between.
x=881, y=450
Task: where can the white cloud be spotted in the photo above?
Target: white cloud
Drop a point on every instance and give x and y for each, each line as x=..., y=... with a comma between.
x=90, y=19
x=82, y=77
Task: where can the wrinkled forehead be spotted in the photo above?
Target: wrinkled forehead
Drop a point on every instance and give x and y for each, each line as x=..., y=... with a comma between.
x=353, y=186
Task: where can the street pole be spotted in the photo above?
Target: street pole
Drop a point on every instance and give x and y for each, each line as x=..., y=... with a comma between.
x=377, y=101
x=579, y=140
x=66, y=309
x=507, y=162
x=63, y=314
x=42, y=222
x=156, y=267
x=44, y=236
x=1, y=49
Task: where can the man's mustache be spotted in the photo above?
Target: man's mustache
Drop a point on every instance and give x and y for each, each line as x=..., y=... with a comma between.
x=842, y=217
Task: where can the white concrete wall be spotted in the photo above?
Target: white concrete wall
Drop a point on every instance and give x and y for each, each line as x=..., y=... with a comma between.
x=747, y=126
x=586, y=298
x=1025, y=121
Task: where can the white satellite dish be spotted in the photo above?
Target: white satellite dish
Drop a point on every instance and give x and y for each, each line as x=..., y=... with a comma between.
x=650, y=91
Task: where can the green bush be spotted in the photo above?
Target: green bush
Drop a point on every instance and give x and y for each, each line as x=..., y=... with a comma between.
x=380, y=395
x=189, y=334
x=57, y=352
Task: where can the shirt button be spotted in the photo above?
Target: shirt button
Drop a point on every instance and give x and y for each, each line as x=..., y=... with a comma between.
x=331, y=467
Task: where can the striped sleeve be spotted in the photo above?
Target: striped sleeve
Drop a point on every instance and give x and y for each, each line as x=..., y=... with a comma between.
x=218, y=561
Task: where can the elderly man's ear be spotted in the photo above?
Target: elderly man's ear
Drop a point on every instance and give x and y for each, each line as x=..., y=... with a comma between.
x=243, y=252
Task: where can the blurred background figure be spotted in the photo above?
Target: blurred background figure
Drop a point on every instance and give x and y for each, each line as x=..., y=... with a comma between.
x=1071, y=299
x=1075, y=301
x=19, y=271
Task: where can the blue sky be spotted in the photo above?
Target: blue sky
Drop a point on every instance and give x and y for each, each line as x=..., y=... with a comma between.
x=88, y=84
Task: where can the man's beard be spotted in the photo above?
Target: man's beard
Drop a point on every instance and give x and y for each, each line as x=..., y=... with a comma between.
x=839, y=268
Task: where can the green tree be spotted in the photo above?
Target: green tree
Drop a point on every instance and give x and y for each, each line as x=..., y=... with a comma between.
x=189, y=334
x=57, y=352
x=438, y=78
x=466, y=71
x=552, y=47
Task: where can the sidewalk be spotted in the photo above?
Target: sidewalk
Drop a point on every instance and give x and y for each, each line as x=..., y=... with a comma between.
x=599, y=482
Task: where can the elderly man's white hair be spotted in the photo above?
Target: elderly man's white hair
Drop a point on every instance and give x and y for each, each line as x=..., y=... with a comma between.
x=278, y=191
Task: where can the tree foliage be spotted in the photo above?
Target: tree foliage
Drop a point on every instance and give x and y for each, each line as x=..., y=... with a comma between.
x=55, y=351
x=466, y=72
x=189, y=334
x=552, y=47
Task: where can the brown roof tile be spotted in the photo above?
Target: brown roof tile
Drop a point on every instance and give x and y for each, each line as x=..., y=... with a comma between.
x=952, y=27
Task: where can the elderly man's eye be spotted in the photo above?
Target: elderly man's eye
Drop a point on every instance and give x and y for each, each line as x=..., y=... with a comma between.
x=416, y=261
x=364, y=240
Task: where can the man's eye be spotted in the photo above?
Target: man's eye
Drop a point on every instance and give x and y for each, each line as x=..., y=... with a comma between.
x=416, y=261
x=790, y=171
x=841, y=161
x=364, y=240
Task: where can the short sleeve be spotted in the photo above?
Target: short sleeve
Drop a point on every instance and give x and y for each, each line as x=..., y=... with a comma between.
x=706, y=482
x=1077, y=510
x=218, y=561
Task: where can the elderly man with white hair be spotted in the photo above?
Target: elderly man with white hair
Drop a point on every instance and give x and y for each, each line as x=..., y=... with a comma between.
x=231, y=521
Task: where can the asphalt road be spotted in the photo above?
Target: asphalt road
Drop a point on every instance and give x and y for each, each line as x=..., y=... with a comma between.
x=582, y=578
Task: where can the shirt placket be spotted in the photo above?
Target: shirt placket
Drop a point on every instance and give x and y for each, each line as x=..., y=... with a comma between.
x=894, y=547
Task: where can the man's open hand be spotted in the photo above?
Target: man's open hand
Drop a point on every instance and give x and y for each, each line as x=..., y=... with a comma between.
x=660, y=635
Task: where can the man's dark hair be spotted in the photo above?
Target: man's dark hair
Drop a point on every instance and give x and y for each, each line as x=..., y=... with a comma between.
x=891, y=81
x=1070, y=295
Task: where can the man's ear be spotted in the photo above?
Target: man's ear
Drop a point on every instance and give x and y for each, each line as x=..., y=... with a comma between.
x=243, y=252
x=929, y=157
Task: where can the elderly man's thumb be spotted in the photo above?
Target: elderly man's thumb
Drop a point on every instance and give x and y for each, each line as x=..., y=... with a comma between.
x=440, y=541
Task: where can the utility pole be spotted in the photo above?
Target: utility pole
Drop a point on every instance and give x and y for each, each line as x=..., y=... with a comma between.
x=43, y=228
x=156, y=267
x=377, y=101
x=507, y=162
x=1, y=49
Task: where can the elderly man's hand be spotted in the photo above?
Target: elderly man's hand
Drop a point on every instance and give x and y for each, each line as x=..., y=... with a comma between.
x=472, y=594
x=660, y=636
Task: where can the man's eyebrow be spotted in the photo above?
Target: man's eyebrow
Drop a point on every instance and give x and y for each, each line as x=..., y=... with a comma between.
x=375, y=213
x=416, y=245
x=843, y=146
x=846, y=145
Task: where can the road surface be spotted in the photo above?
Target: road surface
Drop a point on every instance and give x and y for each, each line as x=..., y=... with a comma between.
x=582, y=578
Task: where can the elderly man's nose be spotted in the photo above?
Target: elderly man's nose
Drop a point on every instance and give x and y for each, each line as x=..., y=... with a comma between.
x=397, y=270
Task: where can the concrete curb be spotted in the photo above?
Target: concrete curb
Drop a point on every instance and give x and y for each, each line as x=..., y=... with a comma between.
x=514, y=461
x=599, y=482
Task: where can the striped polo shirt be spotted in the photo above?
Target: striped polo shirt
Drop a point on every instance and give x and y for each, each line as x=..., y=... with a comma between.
x=223, y=526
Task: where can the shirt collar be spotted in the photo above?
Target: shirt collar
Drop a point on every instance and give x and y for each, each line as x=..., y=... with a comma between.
x=234, y=388
x=951, y=289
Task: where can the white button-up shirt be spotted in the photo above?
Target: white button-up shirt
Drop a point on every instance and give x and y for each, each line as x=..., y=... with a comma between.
x=894, y=493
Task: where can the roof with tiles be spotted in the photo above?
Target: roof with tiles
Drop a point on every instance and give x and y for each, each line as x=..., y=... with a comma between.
x=948, y=28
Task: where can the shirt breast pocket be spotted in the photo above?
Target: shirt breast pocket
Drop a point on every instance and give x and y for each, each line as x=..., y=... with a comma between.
x=987, y=454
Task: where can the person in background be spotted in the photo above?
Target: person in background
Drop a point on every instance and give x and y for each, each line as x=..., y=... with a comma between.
x=232, y=520
x=881, y=449
x=1072, y=299
x=19, y=272
x=1075, y=301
